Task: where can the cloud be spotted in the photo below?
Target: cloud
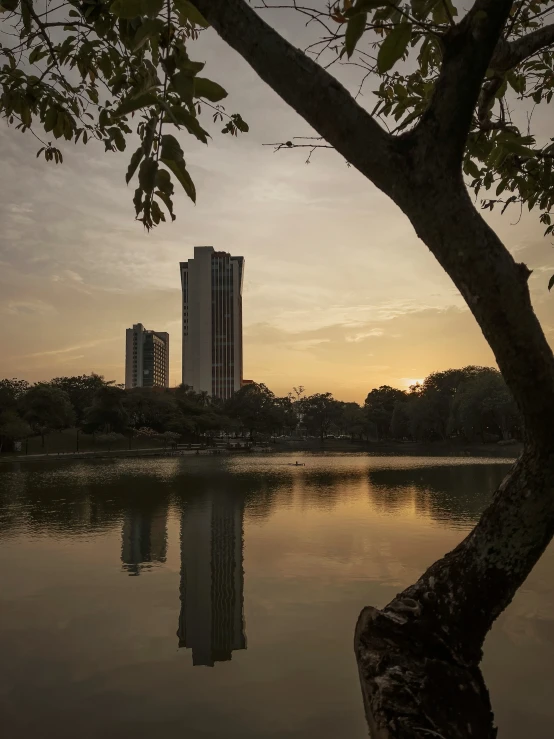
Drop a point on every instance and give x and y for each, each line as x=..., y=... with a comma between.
x=69, y=275
x=28, y=307
x=68, y=349
x=356, y=338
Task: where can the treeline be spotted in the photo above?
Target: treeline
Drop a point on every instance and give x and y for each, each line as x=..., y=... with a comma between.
x=472, y=403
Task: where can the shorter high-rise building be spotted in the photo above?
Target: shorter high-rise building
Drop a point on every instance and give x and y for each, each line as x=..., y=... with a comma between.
x=146, y=358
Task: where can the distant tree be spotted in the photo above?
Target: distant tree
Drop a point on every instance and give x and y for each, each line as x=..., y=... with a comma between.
x=352, y=420
x=430, y=404
x=254, y=407
x=81, y=390
x=107, y=412
x=319, y=412
x=285, y=416
x=484, y=406
x=151, y=406
x=379, y=407
x=12, y=428
x=297, y=392
x=400, y=421
x=11, y=391
x=47, y=408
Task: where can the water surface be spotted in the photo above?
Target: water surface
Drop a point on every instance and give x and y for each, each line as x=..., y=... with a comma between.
x=198, y=597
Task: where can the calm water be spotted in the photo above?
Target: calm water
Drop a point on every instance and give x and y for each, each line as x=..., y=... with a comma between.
x=200, y=597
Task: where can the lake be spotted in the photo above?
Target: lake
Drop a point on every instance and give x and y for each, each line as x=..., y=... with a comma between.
x=216, y=597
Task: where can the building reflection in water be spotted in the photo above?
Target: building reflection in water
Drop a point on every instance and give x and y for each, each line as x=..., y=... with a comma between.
x=211, y=621
x=144, y=539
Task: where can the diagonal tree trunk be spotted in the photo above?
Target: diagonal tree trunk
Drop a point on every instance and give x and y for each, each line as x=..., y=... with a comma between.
x=419, y=657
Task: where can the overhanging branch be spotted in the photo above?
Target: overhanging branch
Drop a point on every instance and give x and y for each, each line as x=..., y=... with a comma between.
x=469, y=47
x=315, y=94
x=508, y=54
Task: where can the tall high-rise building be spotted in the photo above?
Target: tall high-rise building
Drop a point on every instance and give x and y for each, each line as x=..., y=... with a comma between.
x=211, y=622
x=146, y=357
x=212, y=321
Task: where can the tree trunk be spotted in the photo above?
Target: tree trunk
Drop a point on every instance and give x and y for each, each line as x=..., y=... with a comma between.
x=419, y=657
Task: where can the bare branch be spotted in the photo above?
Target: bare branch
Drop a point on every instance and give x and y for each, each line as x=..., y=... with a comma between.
x=351, y=131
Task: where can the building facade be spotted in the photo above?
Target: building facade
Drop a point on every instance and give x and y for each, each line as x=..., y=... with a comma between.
x=212, y=321
x=146, y=358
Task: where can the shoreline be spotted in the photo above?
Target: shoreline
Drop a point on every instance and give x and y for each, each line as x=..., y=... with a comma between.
x=393, y=449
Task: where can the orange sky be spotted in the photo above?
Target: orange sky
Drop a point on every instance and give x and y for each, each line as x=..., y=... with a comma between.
x=339, y=293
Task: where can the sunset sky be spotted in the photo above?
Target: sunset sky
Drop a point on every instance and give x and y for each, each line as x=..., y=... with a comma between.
x=339, y=293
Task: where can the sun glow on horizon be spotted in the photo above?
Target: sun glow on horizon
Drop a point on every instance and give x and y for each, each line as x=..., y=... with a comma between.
x=409, y=381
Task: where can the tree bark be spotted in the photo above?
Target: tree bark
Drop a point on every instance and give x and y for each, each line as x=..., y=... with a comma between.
x=419, y=657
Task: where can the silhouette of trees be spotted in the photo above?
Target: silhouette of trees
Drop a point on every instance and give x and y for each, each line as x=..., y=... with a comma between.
x=471, y=403
x=379, y=408
x=46, y=408
x=319, y=413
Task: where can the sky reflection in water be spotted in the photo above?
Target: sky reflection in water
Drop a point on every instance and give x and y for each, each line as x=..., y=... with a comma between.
x=217, y=597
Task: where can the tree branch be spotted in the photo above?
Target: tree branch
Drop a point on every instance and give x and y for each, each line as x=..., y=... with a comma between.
x=468, y=50
x=315, y=95
x=508, y=54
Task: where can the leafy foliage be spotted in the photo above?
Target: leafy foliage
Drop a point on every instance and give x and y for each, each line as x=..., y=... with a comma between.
x=47, y=408
x=503, y=157
x=319, y=412
x=93, y=70
x=81, y=391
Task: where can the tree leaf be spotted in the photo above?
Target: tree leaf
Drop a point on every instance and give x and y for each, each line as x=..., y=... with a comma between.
x=133, y=164
x=550, y=283
x=126, y=9
x=148, y=29
x=393, y=47
x=191, y=13
x=163, y=181
x=191, y=123
x=9, y=5
x=131, y=104
x=471, y=168
x=514, y=147
x=118, y=138
x=354, y=32
x=172, y=157
x=151, y=8
x=179, y=169
x=205, y=88
x=147, y=174
x=171, y=148
x=37, y=54
x=166, y=199
x=50, y=119
x=184, y=85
